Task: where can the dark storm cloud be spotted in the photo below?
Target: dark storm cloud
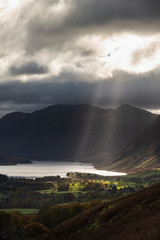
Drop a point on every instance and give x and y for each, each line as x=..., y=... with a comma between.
x=89, y=17
x=88, y=12
x=97, y=12
x=87, y=53
x=142, y=91
x=62, y=35
x=46, y=93
x=29, y=68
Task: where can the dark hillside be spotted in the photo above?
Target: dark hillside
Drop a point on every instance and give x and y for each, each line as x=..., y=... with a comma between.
x=134, y=217
x=6, y=159
x=66, y=132
x=141, y=154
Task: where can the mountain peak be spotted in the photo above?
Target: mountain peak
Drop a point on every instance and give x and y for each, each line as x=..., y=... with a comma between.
x=77, y=132
x=128, y=107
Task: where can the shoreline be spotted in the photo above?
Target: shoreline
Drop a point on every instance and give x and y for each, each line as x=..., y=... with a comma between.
x=53, y=168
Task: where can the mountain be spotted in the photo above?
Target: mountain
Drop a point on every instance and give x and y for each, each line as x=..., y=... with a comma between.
x=141, y=154
x=6, y=159
x=71, y=132
x=134, y=217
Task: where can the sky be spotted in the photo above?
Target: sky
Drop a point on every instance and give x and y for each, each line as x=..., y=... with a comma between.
x=100, y=52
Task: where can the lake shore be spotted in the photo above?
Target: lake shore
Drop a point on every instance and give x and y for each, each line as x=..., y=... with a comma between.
x=52, y=168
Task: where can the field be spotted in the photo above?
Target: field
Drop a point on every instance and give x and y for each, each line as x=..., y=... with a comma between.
x=46, y=202
x=146, y=174
x=30, y=194
x=21, y=210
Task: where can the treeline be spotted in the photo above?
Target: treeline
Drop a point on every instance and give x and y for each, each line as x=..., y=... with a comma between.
x=26, y=193
x=134, y=217
x=25, y=198
x=79, y=187
x=11, y=184
x=152, y=178
x=17, y=226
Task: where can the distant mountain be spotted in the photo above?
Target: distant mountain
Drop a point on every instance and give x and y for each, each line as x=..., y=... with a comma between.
x=141, y=154
x=135, y=216
x=6, y=159
x=66, y=132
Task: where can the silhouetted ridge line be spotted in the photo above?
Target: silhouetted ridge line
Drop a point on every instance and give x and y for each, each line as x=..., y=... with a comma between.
x=71, y=132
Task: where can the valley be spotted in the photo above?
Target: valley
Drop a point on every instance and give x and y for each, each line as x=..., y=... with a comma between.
x=47, y=206
x=50, y=203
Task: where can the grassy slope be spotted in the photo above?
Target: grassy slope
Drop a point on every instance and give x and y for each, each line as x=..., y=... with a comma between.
x=153, y=173
x=21, y=210
x=136, y=216
x=141, y=154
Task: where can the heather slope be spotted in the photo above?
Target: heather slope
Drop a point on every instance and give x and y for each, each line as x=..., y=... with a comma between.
x=136, y=216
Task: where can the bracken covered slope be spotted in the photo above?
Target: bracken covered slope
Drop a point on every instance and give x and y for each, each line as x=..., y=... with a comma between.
x=134, y=217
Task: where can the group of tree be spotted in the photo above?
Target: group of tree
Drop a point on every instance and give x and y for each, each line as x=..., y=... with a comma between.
x=16, y=226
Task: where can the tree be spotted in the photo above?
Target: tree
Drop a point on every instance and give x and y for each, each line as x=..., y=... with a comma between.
x=64, y=187
x=35, y=229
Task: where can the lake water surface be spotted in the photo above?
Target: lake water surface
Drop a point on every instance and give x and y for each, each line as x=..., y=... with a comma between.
x=51, y=168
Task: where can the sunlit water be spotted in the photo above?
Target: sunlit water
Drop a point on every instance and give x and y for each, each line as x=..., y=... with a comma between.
x=48, y=168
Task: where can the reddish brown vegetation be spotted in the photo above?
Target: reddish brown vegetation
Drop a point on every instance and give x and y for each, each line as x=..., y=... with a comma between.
x=136, y=216
x=34, y=229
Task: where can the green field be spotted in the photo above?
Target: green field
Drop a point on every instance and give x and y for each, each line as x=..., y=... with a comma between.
x=80, y=187
x=46, y=191
x=21, y=210
x=50, y=191
x=145, y=174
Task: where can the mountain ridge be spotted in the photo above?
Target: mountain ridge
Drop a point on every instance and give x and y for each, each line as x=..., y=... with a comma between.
x=6, y=159
x=71, y=132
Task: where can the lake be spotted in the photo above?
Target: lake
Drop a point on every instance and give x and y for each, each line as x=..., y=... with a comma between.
x=51, y=168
